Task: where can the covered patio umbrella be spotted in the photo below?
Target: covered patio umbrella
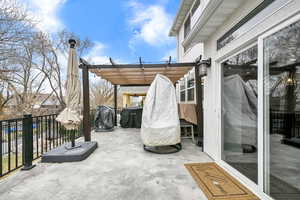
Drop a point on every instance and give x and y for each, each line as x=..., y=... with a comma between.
x=70, y=117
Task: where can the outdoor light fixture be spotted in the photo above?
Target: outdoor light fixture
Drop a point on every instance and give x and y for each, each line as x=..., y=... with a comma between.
x=291, y=81
x=203, y=65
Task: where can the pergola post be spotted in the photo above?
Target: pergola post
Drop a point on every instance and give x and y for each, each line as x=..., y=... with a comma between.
x=199, y=107
x=116, y=103
x=86, y=104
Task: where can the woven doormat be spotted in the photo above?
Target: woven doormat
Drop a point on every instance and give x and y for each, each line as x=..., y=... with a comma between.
x=218, y=184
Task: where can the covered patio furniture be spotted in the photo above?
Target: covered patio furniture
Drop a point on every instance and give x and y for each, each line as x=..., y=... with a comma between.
x=240, y=123
x=104, y=119
x=131, y=117
x=160, y=121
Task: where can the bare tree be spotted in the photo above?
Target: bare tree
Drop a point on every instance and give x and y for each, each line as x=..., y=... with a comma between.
x=102, y=93
x=53, y=52
x=16, y=26
x=31, y=61
x=27, y=81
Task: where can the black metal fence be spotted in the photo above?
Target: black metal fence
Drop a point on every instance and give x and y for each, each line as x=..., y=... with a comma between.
x=25, y=139
x=285, y=123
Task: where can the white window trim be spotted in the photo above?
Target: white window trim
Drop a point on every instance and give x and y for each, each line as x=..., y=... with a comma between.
x=185, y=90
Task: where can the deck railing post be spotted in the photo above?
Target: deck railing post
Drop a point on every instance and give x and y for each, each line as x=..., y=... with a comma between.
x=86, y=104
x=28, y=142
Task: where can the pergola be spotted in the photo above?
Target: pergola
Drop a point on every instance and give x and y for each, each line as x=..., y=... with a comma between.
x=140, y=74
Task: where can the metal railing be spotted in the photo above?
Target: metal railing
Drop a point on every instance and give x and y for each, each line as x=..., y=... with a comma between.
x=285, y=123
x=25, y=139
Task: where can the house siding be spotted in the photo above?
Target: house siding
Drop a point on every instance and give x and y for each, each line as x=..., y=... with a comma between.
x=212, y=93
x=212, y=82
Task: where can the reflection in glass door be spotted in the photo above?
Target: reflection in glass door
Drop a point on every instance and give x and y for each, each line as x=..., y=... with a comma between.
x=239, y=110
x=281, y=55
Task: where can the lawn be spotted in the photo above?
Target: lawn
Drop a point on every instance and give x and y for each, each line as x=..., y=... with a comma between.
x=5, y=162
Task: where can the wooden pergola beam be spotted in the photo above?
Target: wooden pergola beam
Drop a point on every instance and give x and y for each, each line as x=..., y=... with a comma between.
x=151, y=71
x=122, y=66
x=136, y=75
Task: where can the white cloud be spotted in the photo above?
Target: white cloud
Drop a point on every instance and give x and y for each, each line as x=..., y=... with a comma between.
x=172, y=53
x=96, y=54
x=45, y=12
x=150, y=24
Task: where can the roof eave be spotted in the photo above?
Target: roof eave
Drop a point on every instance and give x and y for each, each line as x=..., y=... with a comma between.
x=208, y=11
x=181, y=13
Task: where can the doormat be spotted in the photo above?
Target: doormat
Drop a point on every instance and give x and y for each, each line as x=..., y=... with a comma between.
x=217, y=184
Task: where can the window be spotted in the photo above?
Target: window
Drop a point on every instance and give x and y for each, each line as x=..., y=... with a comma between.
x=182, y=88
x=187, y=88
x=196, y=5
x=190, y=87
x=187, y=26
x=190, y=94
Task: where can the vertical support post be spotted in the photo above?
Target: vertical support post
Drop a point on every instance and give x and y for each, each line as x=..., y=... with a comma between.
x=28, y=142
x=116, y=103
x=73, y=132
x=199, y=107
x=86, y=104
x=1, y=170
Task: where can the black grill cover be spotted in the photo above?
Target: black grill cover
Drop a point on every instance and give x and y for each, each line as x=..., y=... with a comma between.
x=131, y=117
x=104, y=119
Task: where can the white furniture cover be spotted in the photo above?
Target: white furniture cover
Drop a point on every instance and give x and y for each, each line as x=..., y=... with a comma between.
x=160, y=120
x=240, y=113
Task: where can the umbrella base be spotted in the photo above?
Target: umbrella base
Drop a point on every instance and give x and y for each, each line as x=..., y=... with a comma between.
x=69, y=147
x=104, y=130
x=61, y=154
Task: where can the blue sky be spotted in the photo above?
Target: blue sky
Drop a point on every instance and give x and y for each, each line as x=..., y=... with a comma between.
x=121, y=29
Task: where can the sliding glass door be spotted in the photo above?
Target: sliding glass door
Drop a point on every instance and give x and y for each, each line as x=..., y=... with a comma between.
x=281, y=115
x=261, y=111
x=239, y=110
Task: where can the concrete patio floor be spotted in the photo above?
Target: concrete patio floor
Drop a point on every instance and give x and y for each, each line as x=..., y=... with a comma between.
x=118, y=170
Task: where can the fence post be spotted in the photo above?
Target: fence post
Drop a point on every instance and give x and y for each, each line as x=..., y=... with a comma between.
x=28, y=142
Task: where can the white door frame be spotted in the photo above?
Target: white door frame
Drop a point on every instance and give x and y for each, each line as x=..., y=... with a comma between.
x=263, y=125
x=245, y=180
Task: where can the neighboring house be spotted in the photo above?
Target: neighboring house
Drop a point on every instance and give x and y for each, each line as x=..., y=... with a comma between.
x=254, y=47
x=40, y=104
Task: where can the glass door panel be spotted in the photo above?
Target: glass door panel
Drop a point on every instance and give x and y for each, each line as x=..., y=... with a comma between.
x=239, y=110
x=281, y=54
